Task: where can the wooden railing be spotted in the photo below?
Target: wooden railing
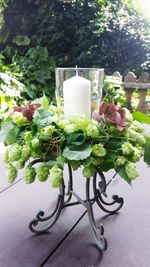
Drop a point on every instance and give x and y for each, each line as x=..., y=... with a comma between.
x=130, y=82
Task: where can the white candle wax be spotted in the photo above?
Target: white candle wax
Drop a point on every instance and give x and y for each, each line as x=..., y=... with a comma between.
x=77, y=96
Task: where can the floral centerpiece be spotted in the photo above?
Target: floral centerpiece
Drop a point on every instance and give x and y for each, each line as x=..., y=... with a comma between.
x=112, y=139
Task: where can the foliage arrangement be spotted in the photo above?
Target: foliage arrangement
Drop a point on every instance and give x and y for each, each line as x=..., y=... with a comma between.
x=113, y=139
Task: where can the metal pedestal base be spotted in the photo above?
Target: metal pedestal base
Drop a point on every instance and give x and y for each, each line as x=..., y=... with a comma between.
x=64, y=200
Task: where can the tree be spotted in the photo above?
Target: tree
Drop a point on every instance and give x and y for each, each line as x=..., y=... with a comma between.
x=100, y=33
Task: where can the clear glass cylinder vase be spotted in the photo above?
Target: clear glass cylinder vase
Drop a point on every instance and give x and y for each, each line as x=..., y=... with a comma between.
x=94, y=75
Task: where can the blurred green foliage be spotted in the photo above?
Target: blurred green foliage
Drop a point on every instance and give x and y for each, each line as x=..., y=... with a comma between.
x=11, y=89
x=37, y=69
x=113, y=92
x=38, y=35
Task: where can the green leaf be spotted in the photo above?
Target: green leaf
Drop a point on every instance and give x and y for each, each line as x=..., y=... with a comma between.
x=12, y=136
x=42, y=113
x=107, y=165
x=60, y=162
x=76, y=138
x=27, y=135
x=87, y=162
x=21, y=40
x=113, y=144
x=147, y=151
x=45, y=102
x=79, y=148
x=123, y=174
x=42, y=117
x=6, y=127
x=84, y=153
x=109, y=162
x=141, y=117
x=50, y=163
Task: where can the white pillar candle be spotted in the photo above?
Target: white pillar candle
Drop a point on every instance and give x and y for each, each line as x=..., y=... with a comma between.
x=77, y=96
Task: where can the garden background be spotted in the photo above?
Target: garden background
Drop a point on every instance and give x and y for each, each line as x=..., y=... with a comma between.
x=38, y=35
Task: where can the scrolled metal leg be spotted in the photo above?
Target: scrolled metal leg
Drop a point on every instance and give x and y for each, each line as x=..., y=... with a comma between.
x=70, y=185
x=52, y=218
x=100, y=193
x=60, y=204
x=63, y=201
x=98, y=230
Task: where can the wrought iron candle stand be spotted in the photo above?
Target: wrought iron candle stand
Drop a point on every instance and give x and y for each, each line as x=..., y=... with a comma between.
x=99, y=185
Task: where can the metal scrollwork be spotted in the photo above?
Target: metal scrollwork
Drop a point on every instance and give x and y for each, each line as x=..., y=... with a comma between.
x=52, y=218
x=100, y=194
x=98, y=230
x=64, y=201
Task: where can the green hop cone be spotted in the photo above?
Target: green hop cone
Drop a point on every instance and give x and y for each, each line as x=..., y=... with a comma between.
x=138, y=137
x=29, y=175
x=26, y=152
x=75, y=164
x=97, y=161
x=98, y=150
x=131, y=170
x=132, y=134
x=127, y=148
x=61, y=123
x=6, y=156
x=15, y=152
x=56, y=175
x=42, y=172
x=19, y=164
x=138, y=153
x=88, y=171
x=120, y=161
x=141, y=150
x=36, y=143
x=70, y=128
x=92, y=131
x=80, y=121
x=19, y=119
x=48, y=131
x=137, y=126
x=12, y=173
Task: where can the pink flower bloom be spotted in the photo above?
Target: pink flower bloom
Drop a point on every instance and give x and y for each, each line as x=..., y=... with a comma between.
x=96, y=115
x=28, y=110
x=113, y=114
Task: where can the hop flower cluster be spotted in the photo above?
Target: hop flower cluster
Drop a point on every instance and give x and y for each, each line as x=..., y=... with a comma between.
x=42, y=172
x=113, y=140
x=127, y=148
x=48, y=131
x=29, y=175
x=56, y=176
x=131, y=170
x=19, y=119
x=88, y=171
x=98, y=150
